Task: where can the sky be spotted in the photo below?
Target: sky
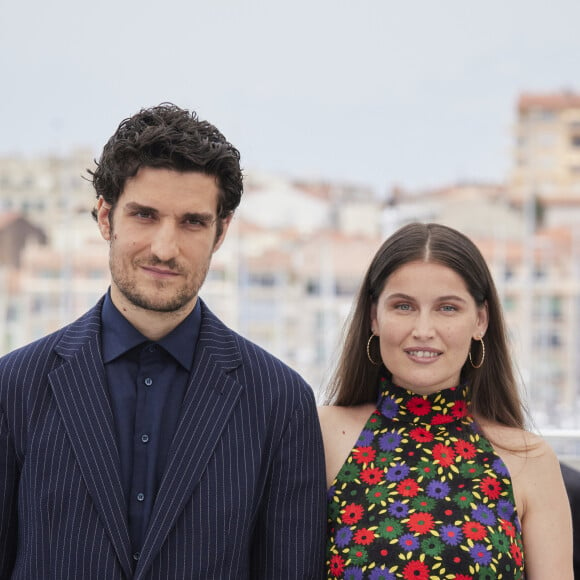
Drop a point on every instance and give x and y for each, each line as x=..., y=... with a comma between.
x=414, y=94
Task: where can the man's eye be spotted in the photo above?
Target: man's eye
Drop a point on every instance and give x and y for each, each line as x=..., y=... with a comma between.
x=143, y=214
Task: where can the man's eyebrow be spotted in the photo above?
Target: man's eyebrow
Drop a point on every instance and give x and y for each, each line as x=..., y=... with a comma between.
x=134, y=206
x=200, y=216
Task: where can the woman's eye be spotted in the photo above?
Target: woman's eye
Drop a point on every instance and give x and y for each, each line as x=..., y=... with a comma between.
x=403, y=307
x=448, y=308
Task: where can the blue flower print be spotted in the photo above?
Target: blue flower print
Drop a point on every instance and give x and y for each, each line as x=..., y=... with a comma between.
x=353, y=573
x=343, y=536
x=364, y=438
x=505, y=509
x=438, y=489
x=398, y=472
x=480, y=554
x=381, y=574
x=398, y=509
x=389, y=408
x=389, y=441
x=409, y=542
x=483, y=515
x=451, y=535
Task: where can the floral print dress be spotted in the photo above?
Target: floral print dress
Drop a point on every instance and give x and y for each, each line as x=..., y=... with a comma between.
x=423, y=496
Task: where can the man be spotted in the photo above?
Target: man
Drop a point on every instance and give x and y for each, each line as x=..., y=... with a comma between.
x=146, y=440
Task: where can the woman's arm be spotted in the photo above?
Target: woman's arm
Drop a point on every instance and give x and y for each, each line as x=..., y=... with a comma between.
x=546, y=521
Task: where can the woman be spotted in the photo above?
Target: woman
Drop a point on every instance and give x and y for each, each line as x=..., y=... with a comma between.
x=431, y=472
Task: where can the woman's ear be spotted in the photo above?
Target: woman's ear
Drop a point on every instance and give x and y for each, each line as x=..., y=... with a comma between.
x=373, y=315
x=104, y=218
x=482, y=321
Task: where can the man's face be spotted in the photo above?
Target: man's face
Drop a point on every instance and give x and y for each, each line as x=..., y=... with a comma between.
x=162, y=234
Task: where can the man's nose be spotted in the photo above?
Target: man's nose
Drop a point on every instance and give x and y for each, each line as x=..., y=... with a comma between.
x=165, y=242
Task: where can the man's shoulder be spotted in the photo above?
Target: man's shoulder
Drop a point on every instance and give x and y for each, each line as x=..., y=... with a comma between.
x=70, y=334
x=255, y=359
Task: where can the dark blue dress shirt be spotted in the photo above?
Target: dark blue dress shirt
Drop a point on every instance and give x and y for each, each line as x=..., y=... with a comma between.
x=147, y=382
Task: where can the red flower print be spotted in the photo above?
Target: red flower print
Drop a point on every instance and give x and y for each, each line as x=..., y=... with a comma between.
x=352, y=513
x=463, y=577
x=508, y=528
x=516, y=554
x=408, y=487
x=421, y=435
x=420, y=523
x=364, y=454
x=474, y=531
x=336, y=565
x=364, y=537
x=459, y=409
x=416, y=570
x=443, y=454
x=371, y=475
x=491, y=487
x=419, y=406
x=464, y=449
x=441, y=419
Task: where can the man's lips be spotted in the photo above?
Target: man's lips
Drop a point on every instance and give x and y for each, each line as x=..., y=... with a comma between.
x=161, y=272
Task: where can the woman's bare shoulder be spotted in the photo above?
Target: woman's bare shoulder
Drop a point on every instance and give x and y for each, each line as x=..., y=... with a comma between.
x=517, y=441
x=337, y=415
x=341, y=427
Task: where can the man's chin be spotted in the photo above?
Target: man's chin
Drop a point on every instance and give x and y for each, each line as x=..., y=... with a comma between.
x=160, y=304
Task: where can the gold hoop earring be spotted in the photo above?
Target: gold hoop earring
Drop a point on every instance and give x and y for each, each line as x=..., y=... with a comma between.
x=482, y=354
x=373, y=362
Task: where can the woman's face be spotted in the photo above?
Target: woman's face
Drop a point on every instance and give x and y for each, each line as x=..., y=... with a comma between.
x=425, y=319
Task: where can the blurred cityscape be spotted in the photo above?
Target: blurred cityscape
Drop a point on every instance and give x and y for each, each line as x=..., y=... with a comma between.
x=297, y=250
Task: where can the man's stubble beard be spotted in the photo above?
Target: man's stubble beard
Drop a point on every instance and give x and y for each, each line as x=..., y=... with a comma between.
x=128, y=285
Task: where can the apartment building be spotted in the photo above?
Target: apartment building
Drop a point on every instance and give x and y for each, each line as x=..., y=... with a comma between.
x=546, y=160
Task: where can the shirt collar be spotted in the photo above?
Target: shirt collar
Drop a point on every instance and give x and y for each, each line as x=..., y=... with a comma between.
x=120, y=336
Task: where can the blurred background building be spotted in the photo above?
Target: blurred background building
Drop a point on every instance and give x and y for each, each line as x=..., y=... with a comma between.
x=296, y=252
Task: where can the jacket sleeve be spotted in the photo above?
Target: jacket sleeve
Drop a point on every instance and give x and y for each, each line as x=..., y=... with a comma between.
x=289, y=538
x=8, y=500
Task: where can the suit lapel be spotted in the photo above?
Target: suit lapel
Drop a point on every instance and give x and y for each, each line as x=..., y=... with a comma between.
x=79, y=387
x=209, y=400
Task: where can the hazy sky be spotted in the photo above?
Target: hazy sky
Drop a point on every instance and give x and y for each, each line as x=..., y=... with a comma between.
x=377, y=92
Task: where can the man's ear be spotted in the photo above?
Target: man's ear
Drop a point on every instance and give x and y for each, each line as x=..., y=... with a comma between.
x=104, y=218
x=225, y=225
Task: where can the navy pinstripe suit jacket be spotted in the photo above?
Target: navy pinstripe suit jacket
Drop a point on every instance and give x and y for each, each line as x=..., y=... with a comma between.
x=243, y=495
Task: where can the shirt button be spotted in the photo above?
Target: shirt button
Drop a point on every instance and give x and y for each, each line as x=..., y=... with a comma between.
x=136, y=556
x=148, y=381
x=140, y=496
x=145, y=438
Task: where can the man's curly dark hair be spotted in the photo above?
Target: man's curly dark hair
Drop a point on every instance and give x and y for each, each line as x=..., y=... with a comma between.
x=168, y=137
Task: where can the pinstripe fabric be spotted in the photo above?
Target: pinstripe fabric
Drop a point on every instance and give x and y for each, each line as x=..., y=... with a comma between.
x=243, y=493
